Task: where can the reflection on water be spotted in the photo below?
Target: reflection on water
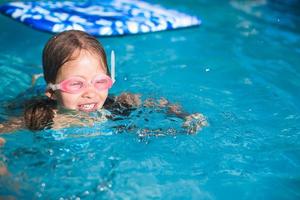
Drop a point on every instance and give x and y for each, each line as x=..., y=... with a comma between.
x=284, y=14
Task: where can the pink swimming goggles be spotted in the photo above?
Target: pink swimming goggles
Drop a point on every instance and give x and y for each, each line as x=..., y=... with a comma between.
x=78, y=84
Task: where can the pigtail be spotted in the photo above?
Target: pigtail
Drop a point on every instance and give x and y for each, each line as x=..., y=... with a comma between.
x=39, y=114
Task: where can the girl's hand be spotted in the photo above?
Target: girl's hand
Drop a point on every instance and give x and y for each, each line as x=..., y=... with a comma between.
x=35, y=77
x=2, y=141
x=194, y=123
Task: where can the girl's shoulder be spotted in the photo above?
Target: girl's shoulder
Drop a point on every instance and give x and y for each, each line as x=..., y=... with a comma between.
x=123, y=103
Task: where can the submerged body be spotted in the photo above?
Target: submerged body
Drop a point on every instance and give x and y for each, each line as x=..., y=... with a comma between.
x=113, y=108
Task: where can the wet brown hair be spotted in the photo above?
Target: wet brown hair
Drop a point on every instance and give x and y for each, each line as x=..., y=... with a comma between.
x=58, y=50
x=39, y=114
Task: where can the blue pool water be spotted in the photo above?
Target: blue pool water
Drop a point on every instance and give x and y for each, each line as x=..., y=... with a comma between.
x=240, y=68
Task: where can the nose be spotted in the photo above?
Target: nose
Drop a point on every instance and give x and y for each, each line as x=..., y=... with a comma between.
x=90, y=92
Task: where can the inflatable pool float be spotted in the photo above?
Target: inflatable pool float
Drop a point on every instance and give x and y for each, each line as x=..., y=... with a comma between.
x=105, y=18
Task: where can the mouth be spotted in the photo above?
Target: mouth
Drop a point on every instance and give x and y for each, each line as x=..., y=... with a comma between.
x=89, y=107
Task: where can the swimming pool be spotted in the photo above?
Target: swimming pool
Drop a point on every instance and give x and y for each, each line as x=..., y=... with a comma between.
x=240, y=68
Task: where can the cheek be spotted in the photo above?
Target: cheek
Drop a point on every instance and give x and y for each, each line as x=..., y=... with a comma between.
x=102, y=97
x=68, y=100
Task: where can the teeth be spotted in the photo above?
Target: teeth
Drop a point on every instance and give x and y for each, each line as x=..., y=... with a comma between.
x=88, y=106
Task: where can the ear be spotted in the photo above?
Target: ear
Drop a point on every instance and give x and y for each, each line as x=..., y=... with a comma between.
x=51, y=94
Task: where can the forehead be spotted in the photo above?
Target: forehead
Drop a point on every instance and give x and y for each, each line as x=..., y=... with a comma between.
x=82, y=63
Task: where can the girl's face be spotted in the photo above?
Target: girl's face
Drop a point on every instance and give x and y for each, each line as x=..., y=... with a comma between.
x=85, y=65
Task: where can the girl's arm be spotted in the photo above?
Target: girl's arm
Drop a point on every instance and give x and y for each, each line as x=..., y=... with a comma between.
x=12, y=125
x=126, y=102
x=193, y=122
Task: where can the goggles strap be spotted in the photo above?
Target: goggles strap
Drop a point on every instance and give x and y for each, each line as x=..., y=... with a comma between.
x=112, y=65
x=53, y=86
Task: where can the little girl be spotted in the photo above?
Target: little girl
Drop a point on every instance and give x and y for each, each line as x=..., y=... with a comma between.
x=78, y=79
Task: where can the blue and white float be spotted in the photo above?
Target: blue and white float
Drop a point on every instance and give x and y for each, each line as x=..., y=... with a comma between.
x=101, y=18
